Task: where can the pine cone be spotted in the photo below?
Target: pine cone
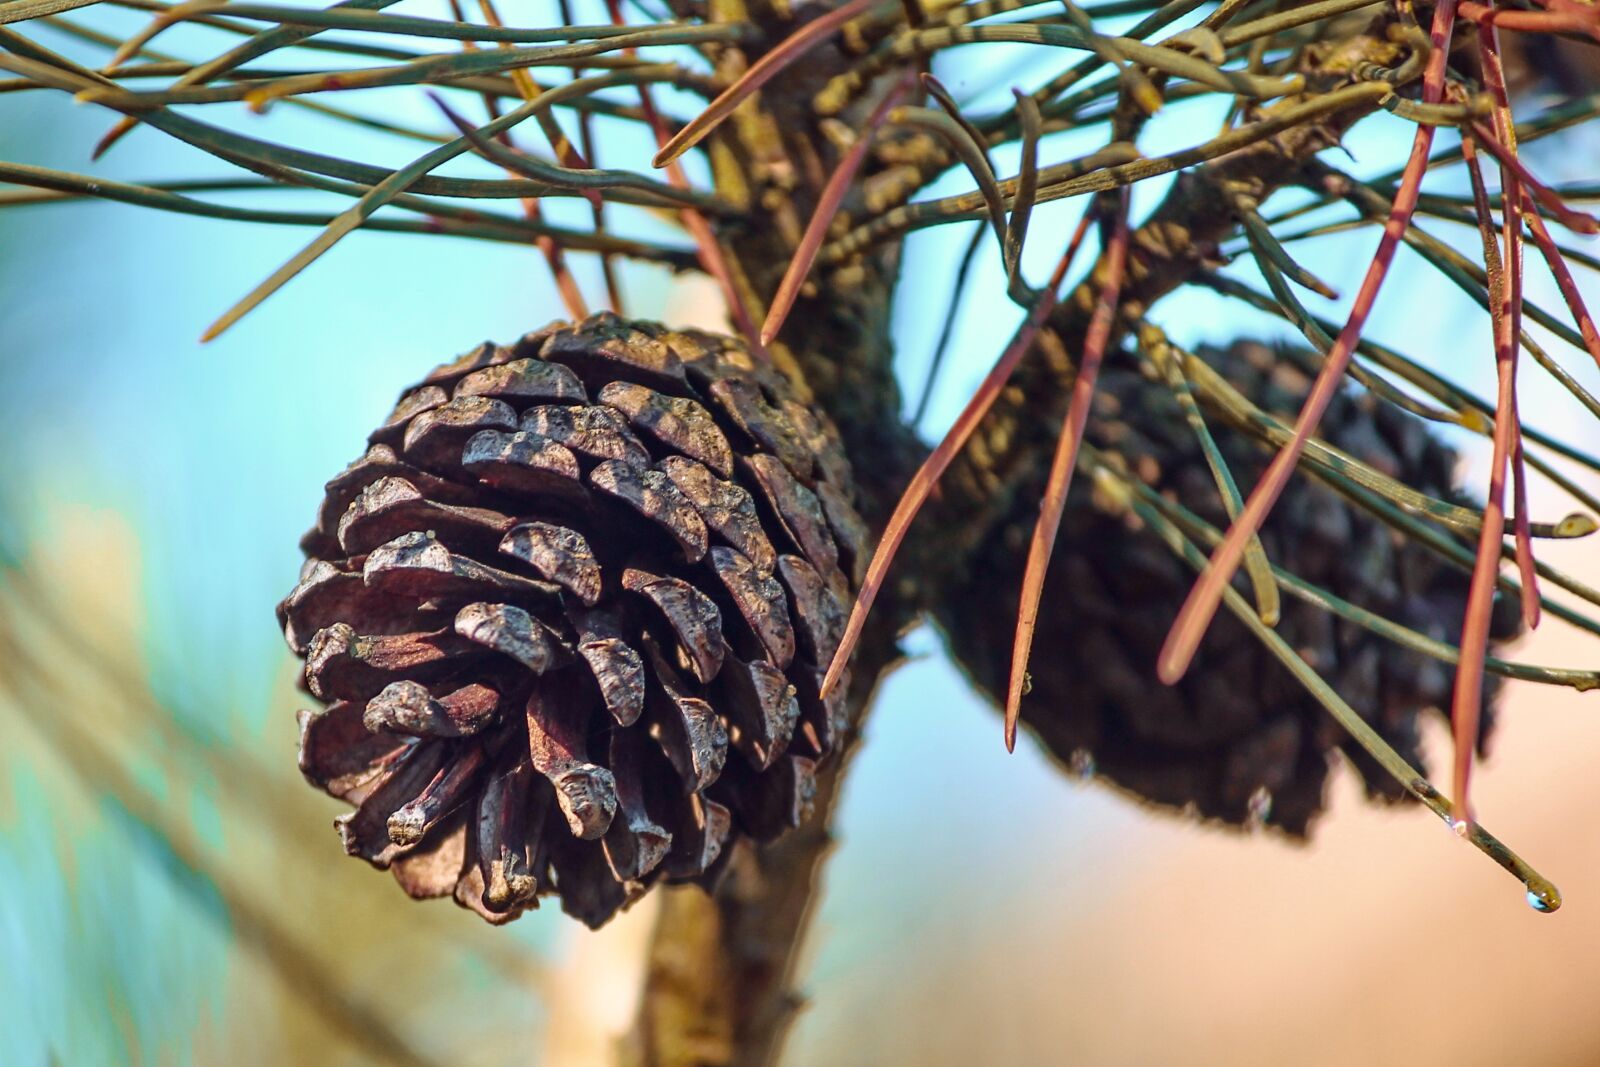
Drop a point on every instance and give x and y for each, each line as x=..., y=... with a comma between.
x=565, y=578
x=1238, y=730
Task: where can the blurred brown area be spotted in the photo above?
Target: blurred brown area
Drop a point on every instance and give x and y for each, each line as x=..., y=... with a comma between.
x=1386, y=940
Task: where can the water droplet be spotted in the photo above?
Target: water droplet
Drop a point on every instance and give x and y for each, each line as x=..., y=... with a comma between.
x=1543, y=897
x=1081, y=764
x=1461, y=827
x=1259, y=808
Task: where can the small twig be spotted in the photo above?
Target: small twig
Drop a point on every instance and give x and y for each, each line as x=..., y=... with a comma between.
x=1111, y=167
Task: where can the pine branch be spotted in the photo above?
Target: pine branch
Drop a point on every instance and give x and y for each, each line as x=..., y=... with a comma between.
x=773, y=227
x=1178, y=241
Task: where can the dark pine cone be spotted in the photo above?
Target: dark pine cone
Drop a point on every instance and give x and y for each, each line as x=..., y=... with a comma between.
x=565, y=578
x=1238, y=726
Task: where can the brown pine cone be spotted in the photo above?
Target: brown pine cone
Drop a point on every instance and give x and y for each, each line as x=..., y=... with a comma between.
x=565, y=578
x=1238, y=729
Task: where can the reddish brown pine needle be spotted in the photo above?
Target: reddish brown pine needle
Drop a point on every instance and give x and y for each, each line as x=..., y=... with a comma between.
x=707, y=248
x=1563, y=275
x=1570, y=19
x=112, y=136
x=554, y=254
x=712, y=259
x=126, y=51
x=560, y=144
x=1467, y=703
x=556, y=257
x=1511, y=307
x=1526, y=567
x=833, y=194
x=1500, y=309
x=1466, y=707
x=597, y=206
x=1576, y=221
x=1066, y=458
x=1201, y=605
x=911, y=501
x=761, y=71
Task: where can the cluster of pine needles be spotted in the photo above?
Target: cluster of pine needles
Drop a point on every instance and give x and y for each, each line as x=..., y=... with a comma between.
x=530, y=103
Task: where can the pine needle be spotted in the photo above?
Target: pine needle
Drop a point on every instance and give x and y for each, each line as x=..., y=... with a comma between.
x=833, y=194
x=763, y=70
x=927, y=475
x=1201, y=605
x=1060, y=480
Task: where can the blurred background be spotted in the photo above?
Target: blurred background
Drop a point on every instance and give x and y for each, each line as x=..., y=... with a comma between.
x=172, y=893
